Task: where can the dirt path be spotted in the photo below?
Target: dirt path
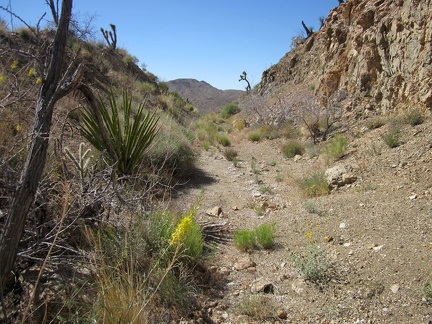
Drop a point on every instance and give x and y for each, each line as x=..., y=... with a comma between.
x=376, y=232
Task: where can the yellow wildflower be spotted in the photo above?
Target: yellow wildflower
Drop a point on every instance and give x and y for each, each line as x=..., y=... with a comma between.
x=18, y=127
x=14, y=64
x=309, y=235
x=181, y=230
x=2, y=78
x=31, y=72
x=38, y=80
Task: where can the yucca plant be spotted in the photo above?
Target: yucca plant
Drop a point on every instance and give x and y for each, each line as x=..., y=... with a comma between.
x=129, y=133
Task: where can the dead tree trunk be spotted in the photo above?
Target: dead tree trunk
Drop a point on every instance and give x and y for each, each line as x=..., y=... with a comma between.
x=53, y=88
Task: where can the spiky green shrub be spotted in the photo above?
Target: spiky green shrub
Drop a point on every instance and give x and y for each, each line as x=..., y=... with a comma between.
x=265, y=235
x=229, y=110
x=293, y=148
x=244, y=240
x=255, y=136
x=129, y=129
x=223, y=140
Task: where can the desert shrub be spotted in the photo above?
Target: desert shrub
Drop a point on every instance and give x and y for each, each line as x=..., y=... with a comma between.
x=255, y=167
x=265, y=188
x=313, y=208
x=293, y=148
x=392, y=137
x=172, y=150
x=265, y=235
x=130, y=131
x=265, y=131
x=163, y=87
x=223, y=140
x=255, y=135
x=244, y=240
x=376, y=123
x=334, y=149
x=311, y=262
x=206, y=145
x=414, y=117
x=315, y=185
x=257, y=306
x=145, y=88
x=230, y=154
x=144, y=265
x=229, y=110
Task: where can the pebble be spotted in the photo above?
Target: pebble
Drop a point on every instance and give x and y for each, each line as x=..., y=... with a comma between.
x=394, y=288
x=342, y=225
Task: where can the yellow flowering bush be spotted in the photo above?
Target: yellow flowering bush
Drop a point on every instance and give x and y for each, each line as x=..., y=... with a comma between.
x=187, y=235
x=31, y=72
x=181, y=230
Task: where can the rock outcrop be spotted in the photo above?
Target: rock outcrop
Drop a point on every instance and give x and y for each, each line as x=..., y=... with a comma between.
x=378, y=51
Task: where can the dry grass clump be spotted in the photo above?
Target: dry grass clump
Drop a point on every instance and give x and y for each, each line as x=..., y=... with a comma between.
x=258, y=306
x=293, y=148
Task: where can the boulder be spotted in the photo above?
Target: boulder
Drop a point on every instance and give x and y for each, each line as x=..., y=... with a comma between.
x=339, y=176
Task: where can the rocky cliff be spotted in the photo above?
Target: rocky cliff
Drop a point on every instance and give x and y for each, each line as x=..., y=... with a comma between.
x=378, y=51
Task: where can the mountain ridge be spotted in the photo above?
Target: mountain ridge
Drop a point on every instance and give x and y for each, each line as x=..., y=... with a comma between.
x=203, y=95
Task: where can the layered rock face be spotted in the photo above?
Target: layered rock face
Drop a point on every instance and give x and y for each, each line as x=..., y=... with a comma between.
x=379, y=52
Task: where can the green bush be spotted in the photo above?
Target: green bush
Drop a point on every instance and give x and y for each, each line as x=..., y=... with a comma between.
x=223, y=140
x=414, y=117
x=392, y=137
x=293, y=148
x=311, y=262
x=129, y=132
x=265, y=235
x=244, y=240
x=315, y=185
x=172, y=150
x=334, y=149
x=255, y=136
x=229, y=110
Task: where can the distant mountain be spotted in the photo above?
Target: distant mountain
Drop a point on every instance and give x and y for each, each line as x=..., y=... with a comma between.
x=202, y=95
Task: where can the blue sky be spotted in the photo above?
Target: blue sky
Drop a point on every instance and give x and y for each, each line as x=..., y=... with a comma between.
x=214, y=41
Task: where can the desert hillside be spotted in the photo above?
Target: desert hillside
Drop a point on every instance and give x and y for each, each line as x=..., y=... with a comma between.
x=304, y=200
x=203, y=95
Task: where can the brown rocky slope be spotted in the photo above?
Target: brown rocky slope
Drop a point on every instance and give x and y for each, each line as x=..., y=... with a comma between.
x=379, y=52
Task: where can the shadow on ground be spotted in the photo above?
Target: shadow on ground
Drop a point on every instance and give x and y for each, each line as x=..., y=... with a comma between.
x=199, y=179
